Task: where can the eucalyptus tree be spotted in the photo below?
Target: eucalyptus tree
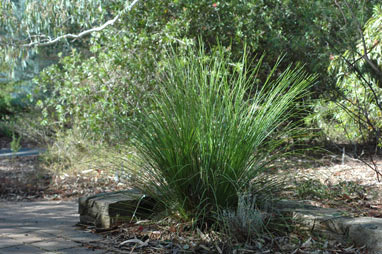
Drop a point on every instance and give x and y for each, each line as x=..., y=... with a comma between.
x=31, y=29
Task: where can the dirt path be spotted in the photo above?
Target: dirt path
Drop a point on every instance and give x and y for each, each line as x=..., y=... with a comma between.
x=27, y=179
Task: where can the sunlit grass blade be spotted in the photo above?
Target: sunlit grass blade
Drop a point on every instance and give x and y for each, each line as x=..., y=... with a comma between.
x=212, y=130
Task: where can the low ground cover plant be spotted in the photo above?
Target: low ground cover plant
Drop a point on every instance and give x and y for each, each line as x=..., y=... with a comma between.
x=213, y=129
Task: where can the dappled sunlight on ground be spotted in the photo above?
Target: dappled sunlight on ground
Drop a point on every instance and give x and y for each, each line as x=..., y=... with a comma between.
x=351, y=186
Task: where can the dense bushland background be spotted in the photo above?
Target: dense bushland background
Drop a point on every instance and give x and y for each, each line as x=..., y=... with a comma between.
x=112, y=72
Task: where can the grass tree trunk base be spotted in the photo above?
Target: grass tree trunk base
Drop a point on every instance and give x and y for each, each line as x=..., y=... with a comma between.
x=335, y=224
x=106, y=210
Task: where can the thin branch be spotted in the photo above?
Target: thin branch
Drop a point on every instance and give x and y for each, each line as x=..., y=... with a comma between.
x=359, y=29
x=340, y=9
x=367, y=52
x=82, y=34
x=359, y=75
x=366, y=84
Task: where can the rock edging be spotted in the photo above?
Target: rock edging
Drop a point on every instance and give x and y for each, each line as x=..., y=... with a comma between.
x=106, y=210
x=335, y=224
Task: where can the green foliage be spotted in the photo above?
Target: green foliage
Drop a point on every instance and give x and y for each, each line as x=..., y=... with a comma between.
x=356, y=111
x=15, y=143
x=211, y=131
x=92, y=88
x=13, y=98
x=27, y=125
x=94, y=94
x=5, y=101
x=135, y=43
x=74, y=152
x=5, y=131
x=26, y=21
x=298, y=27
x=312, y=188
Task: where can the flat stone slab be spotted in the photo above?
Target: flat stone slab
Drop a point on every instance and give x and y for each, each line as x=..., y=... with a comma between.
x=335, y=224
x=7, y=242
x=29, y=237
x=365, y=231
x=55, y=244
x=44, y=227
x=22, y=249
x=106, y=210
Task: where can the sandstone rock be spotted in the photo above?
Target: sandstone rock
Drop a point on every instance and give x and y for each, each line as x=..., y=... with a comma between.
x=335, y=224
x=366, y=231
x=106, y=210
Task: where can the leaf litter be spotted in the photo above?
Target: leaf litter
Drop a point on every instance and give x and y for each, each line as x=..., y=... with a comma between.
x=22, y=178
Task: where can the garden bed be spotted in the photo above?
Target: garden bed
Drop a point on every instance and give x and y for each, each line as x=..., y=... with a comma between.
x=351, y=187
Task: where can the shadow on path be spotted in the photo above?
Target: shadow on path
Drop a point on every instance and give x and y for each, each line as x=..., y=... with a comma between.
x=44, y=227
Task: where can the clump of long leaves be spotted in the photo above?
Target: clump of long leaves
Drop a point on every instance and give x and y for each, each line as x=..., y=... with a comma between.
x=209, y=133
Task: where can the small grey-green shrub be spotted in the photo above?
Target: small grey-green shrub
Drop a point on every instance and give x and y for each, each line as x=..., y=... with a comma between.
x=248, y=221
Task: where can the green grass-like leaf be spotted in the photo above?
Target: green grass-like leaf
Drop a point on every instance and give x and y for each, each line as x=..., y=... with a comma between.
x=212, y=130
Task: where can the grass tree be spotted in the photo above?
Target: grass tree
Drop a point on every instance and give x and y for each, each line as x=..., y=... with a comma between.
x=213, y=130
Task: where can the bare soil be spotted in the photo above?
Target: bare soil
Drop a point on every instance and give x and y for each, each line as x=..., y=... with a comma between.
x=22, y=179
x=27, y=178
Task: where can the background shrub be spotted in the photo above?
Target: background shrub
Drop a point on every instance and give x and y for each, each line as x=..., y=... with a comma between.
x=120, y=61
x=95, y=95
x=96, y=87
x=354, y=111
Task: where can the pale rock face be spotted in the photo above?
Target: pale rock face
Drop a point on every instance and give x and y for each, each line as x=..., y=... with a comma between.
x=334, y=224
x=106, y=210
